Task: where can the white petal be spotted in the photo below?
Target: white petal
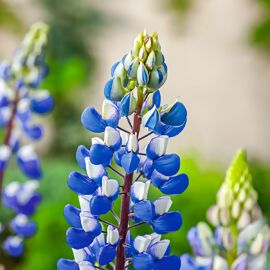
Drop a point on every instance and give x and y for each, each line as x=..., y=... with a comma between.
x=12, y=189
x=15, y=241
x=85, y=265
x=89, y=223
x=244, y=220
x=97, y=140
x=111, y=136
x=160, y=248
x=220, y=264
x=79, y=255
x=27, y=152
x=109, y=186
x=141, y=190
x=124, y=137
x=27, y=191
x=159, y=145
x=84, y=203
x=5, y=152
x=141, y=243
x=162, y=205
x=108, y=109
x=23, y=105
x=132, y=145
x=93, y=171
x=21, y=220
x=112, y=235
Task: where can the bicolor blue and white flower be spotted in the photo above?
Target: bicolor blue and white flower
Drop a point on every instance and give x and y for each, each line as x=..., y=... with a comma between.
x=136, y=164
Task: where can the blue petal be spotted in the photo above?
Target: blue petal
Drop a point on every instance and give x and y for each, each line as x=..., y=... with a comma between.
x=106, y=255
x=64, y=264
x=25, y=230
x=113, y=89
x=81, y=184
x=114, y=67
x=130, y=162
x=156, y=78
x=127, y=107
x=169, y=222
x=188, y=263
x=118, y=156
x=129, y=245
x=72, y=215
x=142, y=75
x=78, y=238
x=33, y=132
x=148, y=168
x=151, y=119
x=169, y=262
x=176, y=116
x=43, y=104
x=31, y=168
x=100, y=205
x=176, y=185
x=167, y=164
x=156, y=98
x=81, y=153
x=133, y=68
x=30, y=208
x=13, y=250
x=100, y=154
x=144, y=210
x=143, y=261
x=92, y=120
x=172, y=131
x=158, y=179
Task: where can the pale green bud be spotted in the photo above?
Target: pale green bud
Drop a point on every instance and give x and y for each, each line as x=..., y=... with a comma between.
x=142, y=75
x=151, y=60
x=133, y=68
x=143, y=53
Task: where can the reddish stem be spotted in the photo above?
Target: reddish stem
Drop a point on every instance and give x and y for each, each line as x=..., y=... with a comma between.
x=124, y=218
x=8, y=134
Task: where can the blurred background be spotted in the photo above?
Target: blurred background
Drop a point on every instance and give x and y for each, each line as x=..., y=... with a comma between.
x=218, y=55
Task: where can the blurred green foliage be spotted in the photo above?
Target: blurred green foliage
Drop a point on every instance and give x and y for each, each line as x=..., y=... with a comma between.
x=8, y=18
x=73, y=24
x=260, y=33
x=180, y=5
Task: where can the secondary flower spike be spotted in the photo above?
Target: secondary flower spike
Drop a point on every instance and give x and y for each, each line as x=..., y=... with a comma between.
x=21, y=100
x=241, y=238
x=138, y=156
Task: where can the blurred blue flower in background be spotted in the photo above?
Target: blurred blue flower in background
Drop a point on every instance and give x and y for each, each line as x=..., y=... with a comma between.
x=241, y=238
x=20, y=100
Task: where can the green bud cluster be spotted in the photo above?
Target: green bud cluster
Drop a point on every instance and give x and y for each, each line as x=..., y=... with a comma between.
x=236, y=199
x=28, y=62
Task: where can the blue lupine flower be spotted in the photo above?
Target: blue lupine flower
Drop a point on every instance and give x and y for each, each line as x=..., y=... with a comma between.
x=23, y=199
x=241, y=239
x=20, y=100
x=133, y=91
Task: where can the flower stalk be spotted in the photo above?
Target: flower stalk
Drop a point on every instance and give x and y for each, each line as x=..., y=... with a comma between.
x=7, y=137
x=123, y=227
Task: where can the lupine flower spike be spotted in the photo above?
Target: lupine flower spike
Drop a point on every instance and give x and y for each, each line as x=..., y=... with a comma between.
x=241, y=238
x=133, y=91
x=20, y=99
